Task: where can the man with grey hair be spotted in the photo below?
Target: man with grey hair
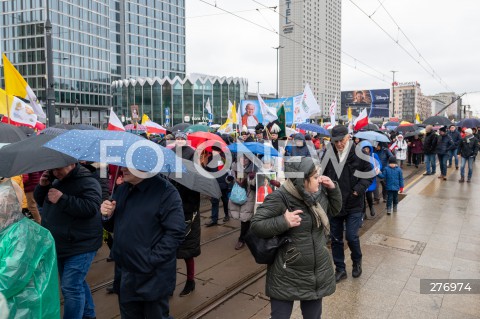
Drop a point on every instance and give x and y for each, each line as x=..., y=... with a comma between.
x=353, y=190
x=467, y=149
x=430, y=149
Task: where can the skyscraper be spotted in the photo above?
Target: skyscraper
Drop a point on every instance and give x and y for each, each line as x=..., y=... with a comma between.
x=94, y=43
x=310, y=50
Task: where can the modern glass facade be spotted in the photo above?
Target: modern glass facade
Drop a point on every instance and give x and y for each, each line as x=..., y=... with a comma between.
x=181, y=98
x=95, y=42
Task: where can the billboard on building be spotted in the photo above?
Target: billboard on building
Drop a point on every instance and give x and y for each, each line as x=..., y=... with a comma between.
x=375, y=101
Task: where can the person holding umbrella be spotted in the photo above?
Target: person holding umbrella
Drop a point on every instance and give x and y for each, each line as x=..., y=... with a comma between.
x=190, y=248
x=70, y=198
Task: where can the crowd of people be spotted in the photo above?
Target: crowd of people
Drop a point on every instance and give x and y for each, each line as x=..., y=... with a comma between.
x=323, y=188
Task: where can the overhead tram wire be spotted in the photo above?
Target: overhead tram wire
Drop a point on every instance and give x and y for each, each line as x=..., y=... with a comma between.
x=326, y=42
x=411, y=43
x=279, y=34
x=402, y=47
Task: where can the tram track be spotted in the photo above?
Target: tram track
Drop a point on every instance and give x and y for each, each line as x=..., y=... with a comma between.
x=184, y=308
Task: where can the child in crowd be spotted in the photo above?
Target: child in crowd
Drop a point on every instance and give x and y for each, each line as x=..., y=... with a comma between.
x=393, y=176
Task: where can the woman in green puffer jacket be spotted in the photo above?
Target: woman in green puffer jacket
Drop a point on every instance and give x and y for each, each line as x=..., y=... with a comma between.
x=302, y=269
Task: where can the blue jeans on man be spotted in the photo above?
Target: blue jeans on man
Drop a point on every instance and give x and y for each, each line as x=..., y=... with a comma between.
x=352, y=224
x=78, y=301
x=442, y=159
x=470, y=167
x=453, y=153
x=430, y=161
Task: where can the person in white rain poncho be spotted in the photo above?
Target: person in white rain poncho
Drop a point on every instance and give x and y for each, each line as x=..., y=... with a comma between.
x=399, y=149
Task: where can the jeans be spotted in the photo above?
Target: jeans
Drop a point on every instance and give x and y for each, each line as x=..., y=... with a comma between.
x=282, y=309
x=430, y=161
x=470, y=167
x=352, y=223
x=158, y=309
x=78, y=302
x=392, y=198
x=442, y=159
x=453, y=153
x=216, y=205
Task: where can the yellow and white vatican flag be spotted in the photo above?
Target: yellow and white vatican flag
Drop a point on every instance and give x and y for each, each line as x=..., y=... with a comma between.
x=16, y=111
x=16, y=85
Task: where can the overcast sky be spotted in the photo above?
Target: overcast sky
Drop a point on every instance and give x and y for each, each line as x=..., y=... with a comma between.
x=445, y=33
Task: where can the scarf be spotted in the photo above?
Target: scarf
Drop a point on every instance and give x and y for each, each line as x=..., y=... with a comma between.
x=320, y=215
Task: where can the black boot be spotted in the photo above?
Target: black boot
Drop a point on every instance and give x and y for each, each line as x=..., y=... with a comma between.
x=372, y=211
x=357, y=269
x=189, y=287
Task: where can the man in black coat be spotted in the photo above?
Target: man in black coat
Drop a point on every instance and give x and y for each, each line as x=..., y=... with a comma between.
x=456, y=138
x=147, y=216
x=70, y=198
x=354, y=179
x=430, y=150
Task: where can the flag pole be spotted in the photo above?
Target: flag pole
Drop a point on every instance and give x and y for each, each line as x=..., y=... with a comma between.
x=8, y=108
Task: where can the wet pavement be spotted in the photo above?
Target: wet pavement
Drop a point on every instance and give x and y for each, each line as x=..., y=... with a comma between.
x=434, y=235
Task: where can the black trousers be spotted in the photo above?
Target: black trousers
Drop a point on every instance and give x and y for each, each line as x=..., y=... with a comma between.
x=417, y=158
x=145, y=309
x=244, y=227
x=282, y=309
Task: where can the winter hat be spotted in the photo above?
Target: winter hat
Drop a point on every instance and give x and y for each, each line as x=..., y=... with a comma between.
x=392, y=160
x=180, y=134
x=259, y=128
x=469, y=131
x=443, y=129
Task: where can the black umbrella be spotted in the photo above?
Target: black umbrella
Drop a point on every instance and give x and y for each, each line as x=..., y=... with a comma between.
x=86, y=127
x=30, y=156
x=437, y=120
x=11, y=134
x=27, y=130
x=419, y=131
x=402, y=129
x=201, y=182
x=65, y=126
x=180, y=127
x=370, y=127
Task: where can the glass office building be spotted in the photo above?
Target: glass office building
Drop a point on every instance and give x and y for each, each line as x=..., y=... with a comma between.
x=181, y=100
x=95, y=42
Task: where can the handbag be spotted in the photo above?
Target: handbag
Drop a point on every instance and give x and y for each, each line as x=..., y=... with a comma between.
x=238, y=195
x=264, y=250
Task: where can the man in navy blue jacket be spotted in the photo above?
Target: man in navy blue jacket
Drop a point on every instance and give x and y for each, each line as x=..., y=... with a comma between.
x=456, y=138
x=147, y=217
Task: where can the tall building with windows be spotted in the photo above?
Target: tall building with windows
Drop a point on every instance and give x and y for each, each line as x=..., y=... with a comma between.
x=95, y=42
x=310, y=49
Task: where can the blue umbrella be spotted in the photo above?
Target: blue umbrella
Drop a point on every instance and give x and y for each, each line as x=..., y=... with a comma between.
x=372, y=136
x=253, y=147
x=469, y=123
x=313, y=128
x=118, y=148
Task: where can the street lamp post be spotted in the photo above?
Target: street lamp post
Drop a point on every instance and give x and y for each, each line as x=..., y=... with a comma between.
x=393, y=90
x=50, y=92
x=277, y=48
